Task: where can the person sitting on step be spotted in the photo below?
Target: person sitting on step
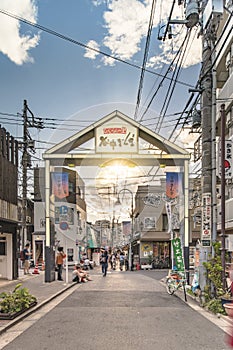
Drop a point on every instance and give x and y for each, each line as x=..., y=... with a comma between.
x=80, y=275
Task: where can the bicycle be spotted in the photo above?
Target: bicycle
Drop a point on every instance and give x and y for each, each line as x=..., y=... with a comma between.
x=176, y=280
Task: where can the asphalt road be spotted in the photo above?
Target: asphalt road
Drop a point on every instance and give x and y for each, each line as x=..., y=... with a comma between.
x=123, y=311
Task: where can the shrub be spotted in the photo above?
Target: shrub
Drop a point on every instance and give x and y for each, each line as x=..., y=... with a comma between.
x=17, y=300
x=214, y=270
x=215, y=306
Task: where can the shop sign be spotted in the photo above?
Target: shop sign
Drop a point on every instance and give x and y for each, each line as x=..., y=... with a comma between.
x=150, y=222
x=117, y=137
x=178, y=255
x=152, y=199
x=63, y=214
x=206, y=219
x=227, y=161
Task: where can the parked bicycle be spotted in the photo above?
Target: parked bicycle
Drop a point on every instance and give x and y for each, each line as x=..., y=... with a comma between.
x=176, y=280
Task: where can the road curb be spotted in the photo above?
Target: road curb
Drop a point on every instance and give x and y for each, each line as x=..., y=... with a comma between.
x=21, y=317
x=195, y=305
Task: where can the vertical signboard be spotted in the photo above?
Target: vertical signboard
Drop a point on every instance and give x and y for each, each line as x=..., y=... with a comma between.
x=206, y=219
x=227, y=161
x=178, y=255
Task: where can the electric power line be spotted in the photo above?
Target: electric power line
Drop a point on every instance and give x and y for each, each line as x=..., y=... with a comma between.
x=64, y=37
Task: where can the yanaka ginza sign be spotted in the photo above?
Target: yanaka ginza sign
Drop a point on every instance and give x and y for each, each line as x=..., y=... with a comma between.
x=116, y=137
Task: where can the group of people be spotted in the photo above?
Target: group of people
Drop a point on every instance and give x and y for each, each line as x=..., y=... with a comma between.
x=113, y=259
x=80, y=272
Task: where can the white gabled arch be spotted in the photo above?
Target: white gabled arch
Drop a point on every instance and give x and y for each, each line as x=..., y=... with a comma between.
x=66, y=151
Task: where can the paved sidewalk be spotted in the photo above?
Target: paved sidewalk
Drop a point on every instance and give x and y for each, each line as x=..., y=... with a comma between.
x=44, y=292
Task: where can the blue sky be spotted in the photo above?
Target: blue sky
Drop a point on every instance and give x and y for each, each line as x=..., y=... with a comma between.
x=60, y=79
x=66, y=82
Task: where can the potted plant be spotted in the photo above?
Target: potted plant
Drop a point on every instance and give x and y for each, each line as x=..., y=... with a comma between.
x=226, y=298
x=14, y=303
x=228, y=309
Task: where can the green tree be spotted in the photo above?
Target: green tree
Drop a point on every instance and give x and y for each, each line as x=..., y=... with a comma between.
x=214, y=288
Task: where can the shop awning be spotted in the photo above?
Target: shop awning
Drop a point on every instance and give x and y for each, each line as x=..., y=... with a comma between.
x=159, y=236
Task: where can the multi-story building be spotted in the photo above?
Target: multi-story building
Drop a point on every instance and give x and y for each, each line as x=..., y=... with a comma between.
x=9, y=239
x=153, y=230
x=68, y=212
x=224, y=95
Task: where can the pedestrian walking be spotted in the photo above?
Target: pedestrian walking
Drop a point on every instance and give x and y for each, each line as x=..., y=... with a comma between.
x=59, y=262
x=104, y=262
x=113, y=262
x=122, y=260
x=27, y=259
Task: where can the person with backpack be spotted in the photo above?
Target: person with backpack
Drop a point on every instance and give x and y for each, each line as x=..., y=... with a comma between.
x=104, y=262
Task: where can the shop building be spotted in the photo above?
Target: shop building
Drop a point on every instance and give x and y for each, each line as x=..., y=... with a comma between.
x=69, y=208
x=9, y=239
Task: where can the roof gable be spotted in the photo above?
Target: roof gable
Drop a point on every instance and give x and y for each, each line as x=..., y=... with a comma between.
x=110, y=121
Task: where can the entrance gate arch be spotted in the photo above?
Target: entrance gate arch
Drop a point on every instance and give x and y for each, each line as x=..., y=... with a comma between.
x=115, y=136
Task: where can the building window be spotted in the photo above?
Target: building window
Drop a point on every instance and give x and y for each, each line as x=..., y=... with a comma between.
x=165, y=222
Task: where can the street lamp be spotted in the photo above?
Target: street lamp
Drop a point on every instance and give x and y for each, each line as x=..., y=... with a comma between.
x=131, y=236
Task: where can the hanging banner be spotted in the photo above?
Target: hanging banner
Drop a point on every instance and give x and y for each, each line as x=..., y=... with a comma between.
x=178, y=255
x=60, y=185
x=126, y=228
x=174, y=184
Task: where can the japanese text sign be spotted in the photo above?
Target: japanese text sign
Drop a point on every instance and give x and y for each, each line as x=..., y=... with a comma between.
x=116, y=137
x=178, y=254
x=206, y=216
x=227, y=161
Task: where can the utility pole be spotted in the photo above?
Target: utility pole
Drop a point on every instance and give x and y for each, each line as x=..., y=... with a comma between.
x=24, y=165
x=210, y=17
x=206, y=177
x=27, y=144
x=223, y=236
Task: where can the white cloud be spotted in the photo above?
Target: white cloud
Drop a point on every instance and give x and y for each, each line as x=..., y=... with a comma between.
x=90, y=53
x=126, y=22
x=108, y=61
x=13, y=43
